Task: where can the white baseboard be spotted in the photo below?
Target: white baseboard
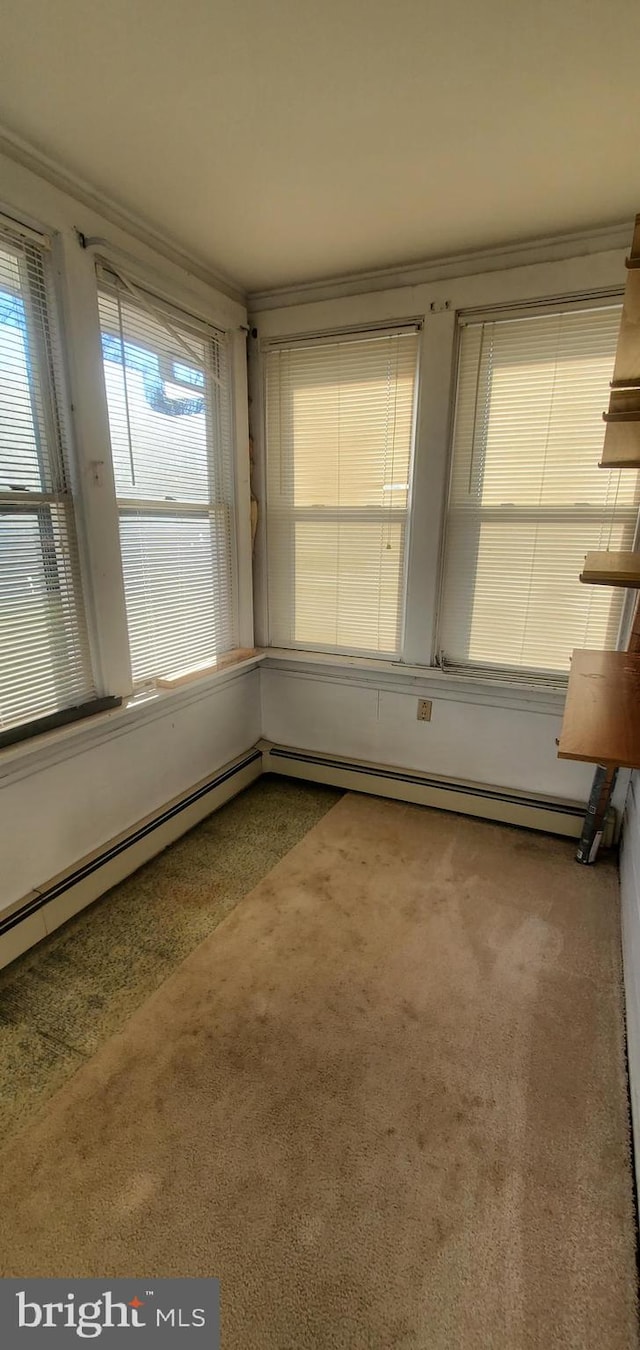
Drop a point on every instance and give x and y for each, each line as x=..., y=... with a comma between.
x=473, y=799
x=37, y=914
x=41, y=911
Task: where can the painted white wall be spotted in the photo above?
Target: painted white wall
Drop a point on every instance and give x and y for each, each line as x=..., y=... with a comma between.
x=630, y=900
x=53, y=816
x=496, y=746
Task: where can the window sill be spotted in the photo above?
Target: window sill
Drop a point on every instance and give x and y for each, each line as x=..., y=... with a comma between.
x=39, y=752
x=428, y=681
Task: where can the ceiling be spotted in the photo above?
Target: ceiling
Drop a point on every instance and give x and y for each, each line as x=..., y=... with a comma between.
x=300, y=139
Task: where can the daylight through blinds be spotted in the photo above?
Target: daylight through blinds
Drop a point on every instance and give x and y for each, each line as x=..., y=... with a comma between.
x=45, y=656
x=168, y=397
x=339, y=416
x=527, y=499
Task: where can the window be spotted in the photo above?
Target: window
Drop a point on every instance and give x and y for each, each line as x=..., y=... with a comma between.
x=527, y=499
x=46, y=669
x=340, y=425
x=167, y=392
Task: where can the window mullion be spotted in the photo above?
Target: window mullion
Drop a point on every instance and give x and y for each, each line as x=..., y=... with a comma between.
x=429, y=486
x=98, y=525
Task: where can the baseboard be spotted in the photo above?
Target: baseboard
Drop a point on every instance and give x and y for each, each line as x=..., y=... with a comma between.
x=473, y=799
x=630, y=908
x=35, y=915
x=40, y=912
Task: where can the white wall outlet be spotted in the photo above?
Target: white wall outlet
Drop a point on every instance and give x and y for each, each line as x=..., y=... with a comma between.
x=424, y=710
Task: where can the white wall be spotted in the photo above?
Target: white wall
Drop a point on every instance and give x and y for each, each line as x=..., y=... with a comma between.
x=503, y=747
x=630, y=898
x=52, y=816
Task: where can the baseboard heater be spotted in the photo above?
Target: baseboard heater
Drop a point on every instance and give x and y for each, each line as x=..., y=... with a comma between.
x=30, y=919
x=472, y=799
x=46, y=907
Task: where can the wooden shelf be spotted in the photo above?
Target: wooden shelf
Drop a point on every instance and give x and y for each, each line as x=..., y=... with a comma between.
x=627, y=366
x=621, y=446
x=622, y=438
x=601, y=722
x=634, y=255
x=612, y=569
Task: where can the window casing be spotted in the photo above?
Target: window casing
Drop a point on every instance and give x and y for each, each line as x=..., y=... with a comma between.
x=527, y=499
x=168, y=396
x=340, y=415
x=46, y=665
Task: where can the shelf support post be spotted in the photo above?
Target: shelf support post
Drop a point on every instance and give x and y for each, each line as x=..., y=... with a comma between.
x=604, y=780
x=633, y=644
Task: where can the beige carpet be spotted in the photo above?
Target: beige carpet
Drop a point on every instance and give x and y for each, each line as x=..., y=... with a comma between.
x=384, y=1102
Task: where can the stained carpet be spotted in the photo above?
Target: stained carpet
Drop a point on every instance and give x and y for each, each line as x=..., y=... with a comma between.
x=64, y=998
x=384, y=1101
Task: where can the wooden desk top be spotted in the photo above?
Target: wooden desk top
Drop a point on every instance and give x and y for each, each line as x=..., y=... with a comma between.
x=602, y=714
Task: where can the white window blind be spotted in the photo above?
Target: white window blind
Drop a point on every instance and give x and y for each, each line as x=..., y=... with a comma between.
x=527, y=499
x=44, y=656
x=167, y=388
x=339, y=422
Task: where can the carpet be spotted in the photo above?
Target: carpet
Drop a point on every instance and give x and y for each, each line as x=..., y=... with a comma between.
x=68, y=995
x=384, y=1102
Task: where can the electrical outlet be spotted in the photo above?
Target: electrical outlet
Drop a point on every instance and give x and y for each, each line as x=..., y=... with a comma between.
x=424, y=710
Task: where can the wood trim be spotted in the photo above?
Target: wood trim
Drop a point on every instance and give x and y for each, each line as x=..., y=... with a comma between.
x=232, y=658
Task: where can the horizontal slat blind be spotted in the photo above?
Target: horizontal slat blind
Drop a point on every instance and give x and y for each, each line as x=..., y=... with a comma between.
x=169, y=415
x=339, y=419
x=45, y=664
x=527, y=498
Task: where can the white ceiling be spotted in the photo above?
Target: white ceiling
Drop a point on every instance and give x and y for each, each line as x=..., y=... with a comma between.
x=288, y=140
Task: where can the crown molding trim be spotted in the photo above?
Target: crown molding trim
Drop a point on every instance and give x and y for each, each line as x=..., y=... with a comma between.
x=555, y=248
x=15, y=148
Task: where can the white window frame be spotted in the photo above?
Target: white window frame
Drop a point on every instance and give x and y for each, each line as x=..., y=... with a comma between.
x=510, y=287
x=110, y=285
x=331, y=337
x=38, y=207
x=488, y=314
x=57, y=406
x=431, y=421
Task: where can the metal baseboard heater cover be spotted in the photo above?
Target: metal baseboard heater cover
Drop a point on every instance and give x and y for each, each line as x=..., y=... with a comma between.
x=32, y=918
x=474, y=799
x=66, y=894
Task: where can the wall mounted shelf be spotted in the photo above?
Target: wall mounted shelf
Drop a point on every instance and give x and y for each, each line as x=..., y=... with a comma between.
x=612, y=569
x=621, y=446
x=601, y=723
x=627, y=367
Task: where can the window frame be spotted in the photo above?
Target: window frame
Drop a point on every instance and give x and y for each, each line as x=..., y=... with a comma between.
x=41, y=213
x=538, y=308
x=157, y=508
x=517, y=281
x=57, y=421
x=403, y=516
